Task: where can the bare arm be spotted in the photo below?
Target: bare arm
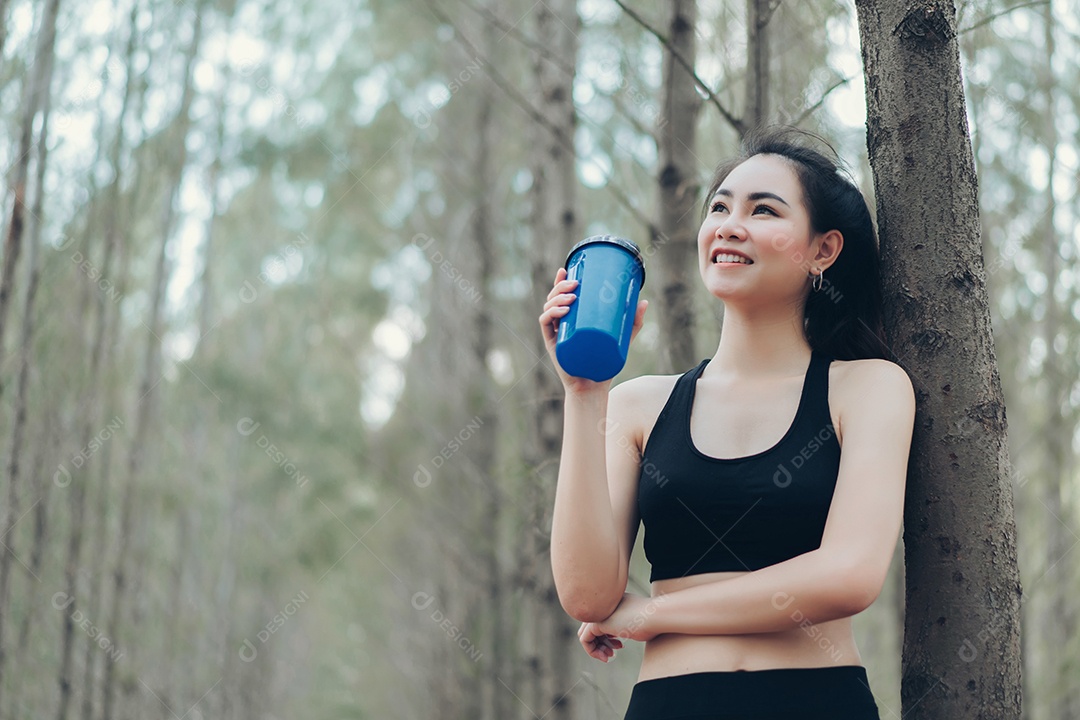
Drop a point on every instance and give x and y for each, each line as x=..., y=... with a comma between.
x=585, y=553
x=595, y=521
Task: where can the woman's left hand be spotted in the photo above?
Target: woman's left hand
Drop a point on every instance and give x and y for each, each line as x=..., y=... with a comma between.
x=630, y=621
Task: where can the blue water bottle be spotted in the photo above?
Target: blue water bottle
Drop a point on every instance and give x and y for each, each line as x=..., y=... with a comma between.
x=594, y=336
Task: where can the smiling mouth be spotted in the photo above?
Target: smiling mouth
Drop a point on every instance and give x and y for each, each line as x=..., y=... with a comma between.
x=729, y=259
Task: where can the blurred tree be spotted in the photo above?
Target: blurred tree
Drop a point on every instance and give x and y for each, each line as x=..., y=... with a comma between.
x=553, y=222
x=675, y=235
x=36, y=94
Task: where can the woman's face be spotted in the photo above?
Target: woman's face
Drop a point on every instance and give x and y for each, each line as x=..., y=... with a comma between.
x=758, y=211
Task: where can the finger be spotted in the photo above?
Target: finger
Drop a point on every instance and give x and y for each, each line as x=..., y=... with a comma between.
x=556, y=309
x=599, y=645
x=639, y=318
x=561, y=287
x=591, y=639
x=560, y=299
x=549, y=321
x=641, y=311
x=560, y=275
x=586, y=637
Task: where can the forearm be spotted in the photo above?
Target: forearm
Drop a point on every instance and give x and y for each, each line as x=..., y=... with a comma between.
x=584, y=541
x=813, y=587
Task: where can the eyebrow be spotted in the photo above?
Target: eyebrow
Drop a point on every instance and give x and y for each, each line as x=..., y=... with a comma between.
x=754, y=196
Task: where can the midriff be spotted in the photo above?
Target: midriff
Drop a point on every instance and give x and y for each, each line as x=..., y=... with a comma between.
x=808, y=645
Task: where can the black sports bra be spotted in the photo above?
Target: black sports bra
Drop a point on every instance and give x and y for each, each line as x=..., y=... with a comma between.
x=704, y=514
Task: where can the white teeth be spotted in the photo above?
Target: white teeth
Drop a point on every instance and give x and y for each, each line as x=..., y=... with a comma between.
x=724, y=257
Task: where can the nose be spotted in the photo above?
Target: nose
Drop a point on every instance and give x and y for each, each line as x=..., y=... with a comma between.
x=731, y=227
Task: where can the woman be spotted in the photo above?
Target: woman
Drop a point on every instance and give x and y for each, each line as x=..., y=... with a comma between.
x=761, y=549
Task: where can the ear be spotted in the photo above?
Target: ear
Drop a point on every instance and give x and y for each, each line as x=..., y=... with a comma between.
x=828, y=248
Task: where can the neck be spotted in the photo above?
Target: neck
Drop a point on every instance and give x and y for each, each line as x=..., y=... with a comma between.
x=761, y=344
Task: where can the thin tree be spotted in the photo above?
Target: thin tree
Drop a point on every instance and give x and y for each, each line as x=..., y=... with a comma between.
x=675, y=236
x=1060, y=622
x=554, y=228
x=33, y=89
x=105, y=316
x=26, y=336
x=961, y=654
x=151, y=372
x=35, y=98
x=756, y=89
x=494, y=701
x=3, y=24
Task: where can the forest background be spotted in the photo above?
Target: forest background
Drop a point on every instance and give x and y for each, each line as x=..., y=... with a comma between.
x=277, y=428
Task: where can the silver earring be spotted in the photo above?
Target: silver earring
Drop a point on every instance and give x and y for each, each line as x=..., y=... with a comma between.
x=818, y=280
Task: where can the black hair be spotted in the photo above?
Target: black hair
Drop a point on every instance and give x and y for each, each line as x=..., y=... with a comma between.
x=844, y=318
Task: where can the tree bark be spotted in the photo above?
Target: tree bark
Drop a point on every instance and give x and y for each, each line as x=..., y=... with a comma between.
x=961, y=656
x=36, y=98
x=495, y=702
x=675, y=239
x=44, y=485
x=3, y=24
x=151, y=368
x=36, y=84
x=26, y=345
x=756, y=107
x=102, y=344
x=1058, y=580
x=554, y=226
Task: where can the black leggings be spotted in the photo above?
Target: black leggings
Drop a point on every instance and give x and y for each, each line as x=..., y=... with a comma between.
x=820, y=693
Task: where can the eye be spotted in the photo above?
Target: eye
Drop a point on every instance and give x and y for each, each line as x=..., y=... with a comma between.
x=717, y=207
x=764, y=208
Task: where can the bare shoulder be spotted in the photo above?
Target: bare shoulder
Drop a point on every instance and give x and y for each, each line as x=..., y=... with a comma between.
x=871, y=374
x=638, y=401
x=862, y=385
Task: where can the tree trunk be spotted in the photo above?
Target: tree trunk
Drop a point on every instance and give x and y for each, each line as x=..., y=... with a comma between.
x=150, y=370
x=36, y=97
x=1058, y=579
x=103, y=342
x=36, y=84
x=554, y=226
x=44, y=484
x=495, y=702
x=675, y=239
x=213, y=189
x=26, y=345
x=756, y=110
x=3, y=24
x=961, y=656
x=554, y=231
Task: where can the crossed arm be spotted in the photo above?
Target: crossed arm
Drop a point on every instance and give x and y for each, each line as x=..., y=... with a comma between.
x=846, y=573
